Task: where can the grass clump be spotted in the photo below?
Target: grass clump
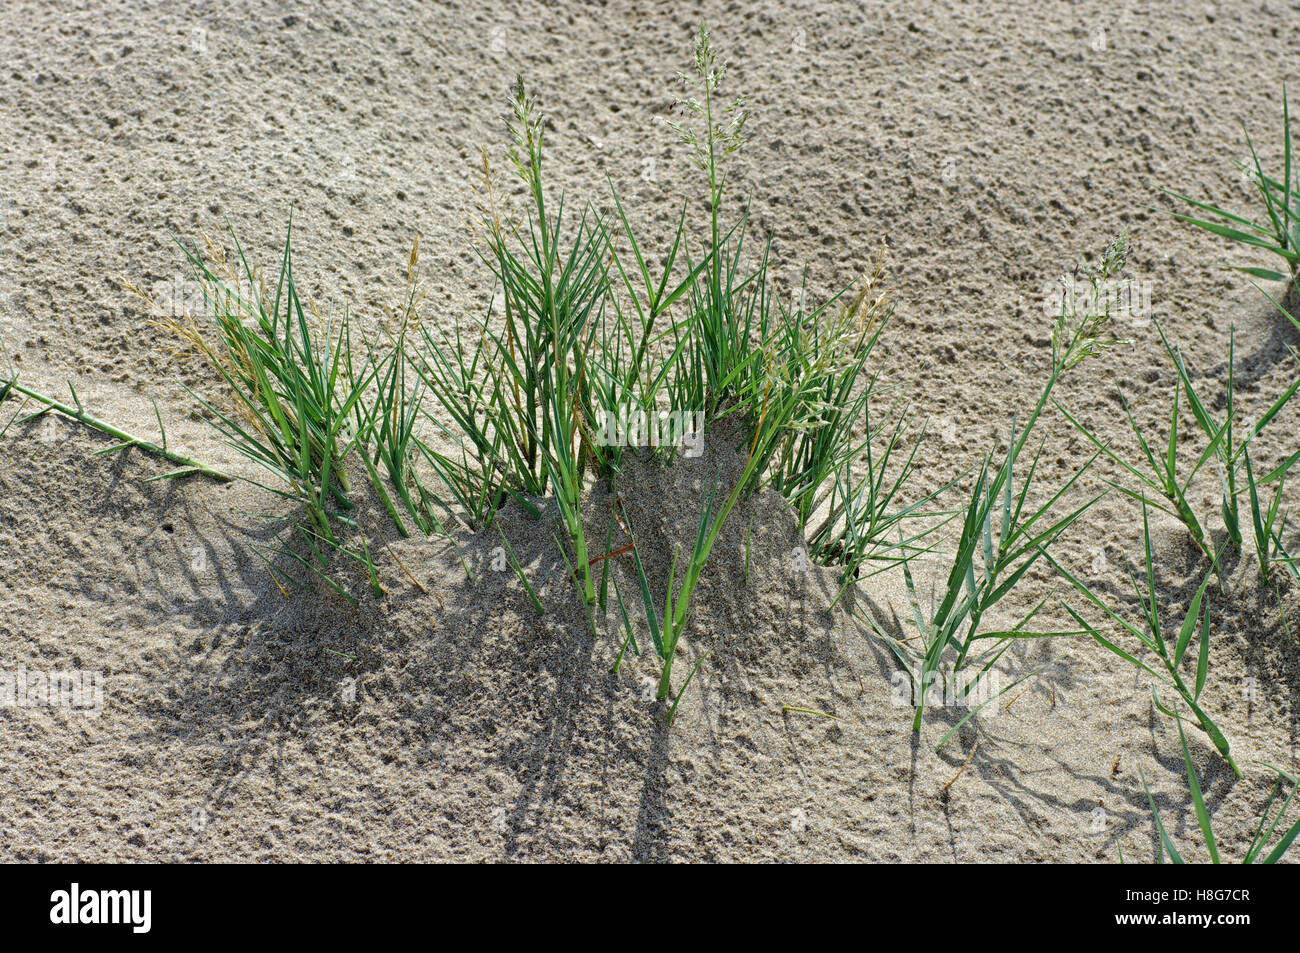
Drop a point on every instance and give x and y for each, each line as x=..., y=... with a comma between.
x=1278, y=233
x=296, y=390
x=1160, y=484
x=307, y=404
x=794, y=374
x=587, y=328
x=388, y=421
x=589, y=334
x=519, y=397
x=1234, y=458
x=288, y=376
x=585, y=333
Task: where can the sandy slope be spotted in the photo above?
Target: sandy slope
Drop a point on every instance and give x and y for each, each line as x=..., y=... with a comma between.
x=990, y=144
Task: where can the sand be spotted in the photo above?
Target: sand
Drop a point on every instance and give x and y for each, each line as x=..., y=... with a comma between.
x=989, y=145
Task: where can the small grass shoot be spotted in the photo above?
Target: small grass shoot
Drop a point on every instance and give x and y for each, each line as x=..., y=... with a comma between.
x=1264, y=831
x=1166, y=658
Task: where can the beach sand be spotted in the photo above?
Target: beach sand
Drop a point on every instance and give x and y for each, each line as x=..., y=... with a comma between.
x=991, y=146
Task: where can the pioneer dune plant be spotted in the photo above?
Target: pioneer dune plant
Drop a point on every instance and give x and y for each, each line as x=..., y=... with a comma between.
x=844, y=489
x=1278, y=232
x=509, y=408
x=388, y=419
x=520, y=396
x=862, y=516
x=1160, y=485
x=796, y=374
x=1001, y=539
x=782, y=400
x=306, y=402
x=287, y=374
x=792, y=374
x=722, y=357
